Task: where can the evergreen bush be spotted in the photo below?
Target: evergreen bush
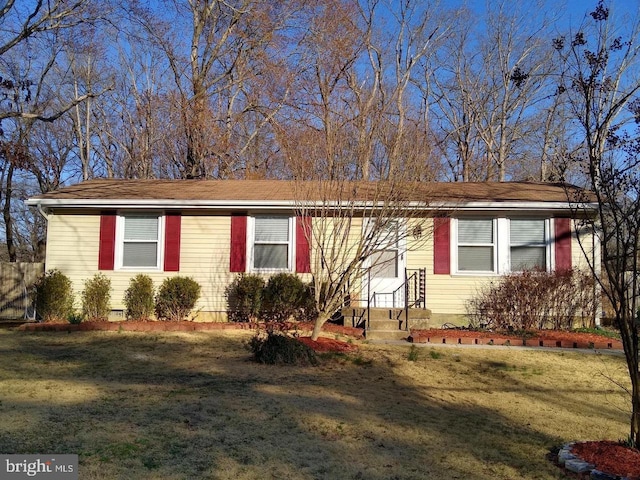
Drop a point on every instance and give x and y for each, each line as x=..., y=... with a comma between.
x=277, y=348
x=284, y=296
x=138, y=298
x=54, y=296
x=176, y=297
x=244, y=298
x=96, y=298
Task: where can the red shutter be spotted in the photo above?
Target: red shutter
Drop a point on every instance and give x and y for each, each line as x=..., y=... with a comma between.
x=107, y=246
x=173, y=221
x=238, y=261
x=303, y=251
x=441, y=245
x=563, y=243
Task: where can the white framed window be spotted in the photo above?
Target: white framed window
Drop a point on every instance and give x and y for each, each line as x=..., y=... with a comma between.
x=272, y=243
x=501, y=245
x=476, y=245
x=528, y=244
x=139, y=241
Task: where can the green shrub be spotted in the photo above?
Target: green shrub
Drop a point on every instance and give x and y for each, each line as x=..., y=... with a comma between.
x=75, y=318
x=413, y=354
x=307, y=310
x=54, y=296
x=244, y=298
x=284, y=296
x=176, y=298
x=138, y=298
x=96, y=297
x=276, y=348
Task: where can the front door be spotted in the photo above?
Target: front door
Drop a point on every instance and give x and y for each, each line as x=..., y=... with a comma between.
x=385, y=272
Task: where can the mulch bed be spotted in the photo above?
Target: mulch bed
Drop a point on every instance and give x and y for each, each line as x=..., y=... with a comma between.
x=154, y=326
x=324, y=344
x=540, y=338
x=610, y=457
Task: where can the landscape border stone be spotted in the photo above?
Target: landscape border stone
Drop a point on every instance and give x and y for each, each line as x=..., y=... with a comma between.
x=573, y=463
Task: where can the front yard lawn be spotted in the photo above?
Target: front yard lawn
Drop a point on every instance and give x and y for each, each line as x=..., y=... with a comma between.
x=174, y=405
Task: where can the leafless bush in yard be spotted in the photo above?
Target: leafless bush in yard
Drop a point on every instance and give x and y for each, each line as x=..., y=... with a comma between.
x=535, y=299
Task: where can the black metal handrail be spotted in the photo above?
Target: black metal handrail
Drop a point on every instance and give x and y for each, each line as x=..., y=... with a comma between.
x=413, y=291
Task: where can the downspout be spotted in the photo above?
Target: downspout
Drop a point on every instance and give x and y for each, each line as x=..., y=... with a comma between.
x=42, y=212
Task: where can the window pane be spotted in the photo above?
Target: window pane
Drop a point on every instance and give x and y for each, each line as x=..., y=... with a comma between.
x=140, y=254
x=527, y=258
x=475, y=259
x=272, y=229
x=385, y=264
x=270, y=256
x=527, y=232
x=475, y=231
x=141, y=228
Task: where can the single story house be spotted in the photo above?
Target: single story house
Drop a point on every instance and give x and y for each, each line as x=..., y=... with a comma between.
x=211, y=230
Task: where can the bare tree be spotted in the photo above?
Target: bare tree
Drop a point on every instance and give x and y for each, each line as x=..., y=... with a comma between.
x=354, y=227
x=489, y=87
x=226, y=59
x=22, y=23
x=600, y=81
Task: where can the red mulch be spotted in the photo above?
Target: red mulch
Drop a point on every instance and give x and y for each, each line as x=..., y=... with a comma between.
x=153, y=326
x=540, y=338
x=610, y=457
x=544, y=338
x=328, y=345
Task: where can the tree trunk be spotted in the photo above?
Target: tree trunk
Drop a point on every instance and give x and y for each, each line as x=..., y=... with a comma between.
x=8, y=220
x=635, y=408
x=317, y=326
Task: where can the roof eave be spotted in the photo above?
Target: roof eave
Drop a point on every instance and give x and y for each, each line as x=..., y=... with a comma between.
x=127, y=204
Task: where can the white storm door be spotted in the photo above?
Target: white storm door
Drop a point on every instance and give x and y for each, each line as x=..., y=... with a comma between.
x=386, y=267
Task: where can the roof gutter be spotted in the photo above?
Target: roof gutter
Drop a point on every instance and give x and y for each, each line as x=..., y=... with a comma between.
x=40, y=209
x=292, y=204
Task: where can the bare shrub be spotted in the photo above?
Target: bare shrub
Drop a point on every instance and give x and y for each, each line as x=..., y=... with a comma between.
x=535, y=299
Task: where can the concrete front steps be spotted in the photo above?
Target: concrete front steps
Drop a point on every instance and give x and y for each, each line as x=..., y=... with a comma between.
x=386, y=323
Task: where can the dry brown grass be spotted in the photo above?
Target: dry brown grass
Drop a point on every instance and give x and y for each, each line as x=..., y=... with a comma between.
x=192, y=405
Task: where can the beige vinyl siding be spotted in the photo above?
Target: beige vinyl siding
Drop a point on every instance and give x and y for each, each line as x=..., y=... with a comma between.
x=73, y=242
x=72, y=248
x=204, y=256
x=448, y=294
x=332, y=245
x=582, y=256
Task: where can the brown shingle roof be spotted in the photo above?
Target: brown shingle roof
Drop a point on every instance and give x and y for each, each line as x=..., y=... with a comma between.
x=287, y=191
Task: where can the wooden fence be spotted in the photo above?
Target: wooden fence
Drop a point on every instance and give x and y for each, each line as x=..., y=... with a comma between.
x=16, y=289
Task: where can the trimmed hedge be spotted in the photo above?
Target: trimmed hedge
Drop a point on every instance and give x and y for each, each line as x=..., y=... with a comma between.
x=176, y=297
x=138, y=298
x=54, y=296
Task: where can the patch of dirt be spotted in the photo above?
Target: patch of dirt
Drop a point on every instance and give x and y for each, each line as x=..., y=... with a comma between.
x=324, y=344
x=610, y=457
